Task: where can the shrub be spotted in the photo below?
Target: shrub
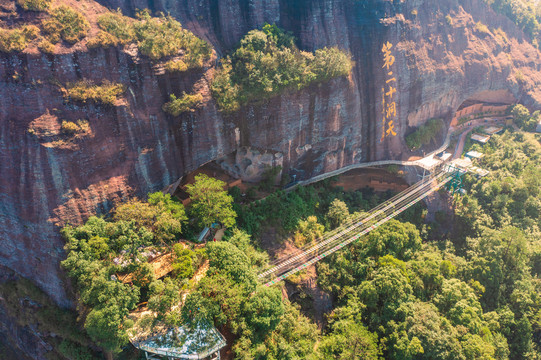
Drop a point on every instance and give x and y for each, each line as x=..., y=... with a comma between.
x=71, y=128
x=225, y=91
x=425, y=134
x=34, y=5
x=157, y=37
x=115, y=29
x=103, y=39
x=188, y=102
x=183, y=264
x=176, y=66
x=519, y=76
x=329, y=63
x=117, y=25
x=46, y=46
x=164, y=36
x=85, y=90
x=72, y=350
x=17, y=39
x=66, y=23
x=482, y=28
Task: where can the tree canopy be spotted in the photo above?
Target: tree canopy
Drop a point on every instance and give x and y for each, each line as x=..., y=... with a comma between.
x=267, y=62
x=210, y=202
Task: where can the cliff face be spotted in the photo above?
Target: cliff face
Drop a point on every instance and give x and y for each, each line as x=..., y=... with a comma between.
x=441, y=59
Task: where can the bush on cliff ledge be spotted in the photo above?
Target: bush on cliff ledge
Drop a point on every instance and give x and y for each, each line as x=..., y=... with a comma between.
x=164, y=36
x=84, y=90
x=34, y=5
x=157, y=37
x=187, y=102
x=267, y=62
x=66, y=23
x=17, y=39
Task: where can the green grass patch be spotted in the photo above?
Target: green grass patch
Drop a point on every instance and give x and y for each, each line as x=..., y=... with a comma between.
x=107, y=93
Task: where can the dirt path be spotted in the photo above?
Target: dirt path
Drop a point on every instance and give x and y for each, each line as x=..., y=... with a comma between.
x=463, y=136
x=460, y=144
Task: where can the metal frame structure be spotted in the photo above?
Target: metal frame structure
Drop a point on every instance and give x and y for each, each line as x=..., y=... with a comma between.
x=455, y=184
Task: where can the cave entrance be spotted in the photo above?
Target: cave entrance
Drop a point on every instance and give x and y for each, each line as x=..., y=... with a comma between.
x=486, y=106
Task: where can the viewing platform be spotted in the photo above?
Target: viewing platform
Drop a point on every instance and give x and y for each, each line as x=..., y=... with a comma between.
x=180, y=343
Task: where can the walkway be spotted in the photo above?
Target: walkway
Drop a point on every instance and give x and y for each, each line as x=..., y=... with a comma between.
x=428, y=162
x=422, y=163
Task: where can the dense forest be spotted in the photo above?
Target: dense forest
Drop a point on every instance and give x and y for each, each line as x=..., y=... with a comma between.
x=460, y=288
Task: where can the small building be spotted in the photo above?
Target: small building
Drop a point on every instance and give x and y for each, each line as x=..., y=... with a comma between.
x=478, y=171
x=474, y=155
x=483, y=139
x=462, y=163
x=538, y=128
x=204, y=235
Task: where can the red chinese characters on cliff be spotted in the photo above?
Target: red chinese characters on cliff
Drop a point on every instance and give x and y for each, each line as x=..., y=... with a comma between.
x=388, y=105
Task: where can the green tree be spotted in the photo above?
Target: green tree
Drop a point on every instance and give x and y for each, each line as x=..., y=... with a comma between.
x=267, y=62
x=401, y=240
x=243, y=242
x=183, y=263
x=521, y=114
x=263, y=311
x=421, y=334
x=210, y=202
x=226, y=258
x=387, y=288
x=348, y=338
x=143, y=274
x=338, y=213
x=163, y=295
x=308, y=230
x=295, y=337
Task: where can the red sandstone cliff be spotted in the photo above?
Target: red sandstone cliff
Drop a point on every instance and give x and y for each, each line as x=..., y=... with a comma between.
x=134, y=148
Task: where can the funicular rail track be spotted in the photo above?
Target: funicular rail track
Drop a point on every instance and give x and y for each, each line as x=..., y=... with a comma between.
x=348, y=233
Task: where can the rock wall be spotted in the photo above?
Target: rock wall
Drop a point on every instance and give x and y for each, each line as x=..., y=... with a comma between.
x=441, y=60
